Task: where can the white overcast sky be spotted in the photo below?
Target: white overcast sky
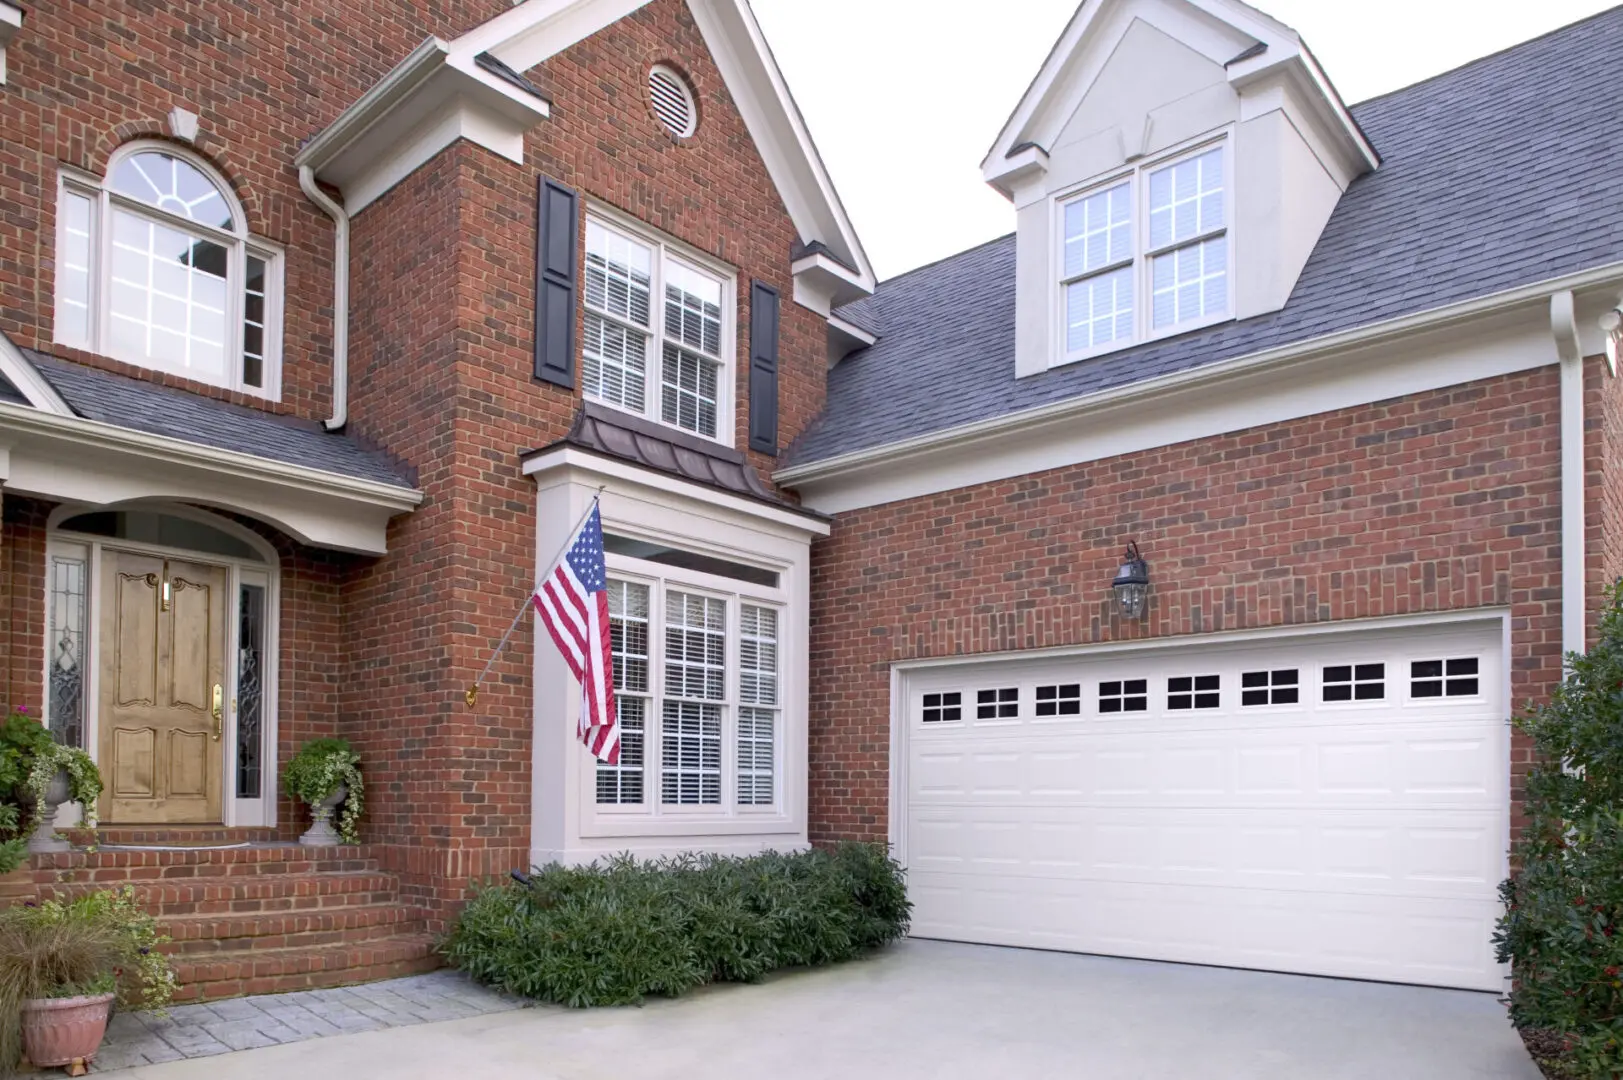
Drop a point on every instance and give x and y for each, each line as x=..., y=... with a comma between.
x=904, y=96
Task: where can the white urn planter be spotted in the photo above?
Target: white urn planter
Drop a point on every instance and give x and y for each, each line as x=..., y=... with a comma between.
x=44, y=838
x=321, y=833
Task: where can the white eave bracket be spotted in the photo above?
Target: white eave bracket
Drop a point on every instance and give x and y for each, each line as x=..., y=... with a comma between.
x=442, y=92
x=11, y=21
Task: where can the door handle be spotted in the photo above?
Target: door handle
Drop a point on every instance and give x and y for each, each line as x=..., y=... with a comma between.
x=218, y=710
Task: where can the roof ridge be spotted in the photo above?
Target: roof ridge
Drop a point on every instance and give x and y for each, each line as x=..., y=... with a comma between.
x=1495, y=55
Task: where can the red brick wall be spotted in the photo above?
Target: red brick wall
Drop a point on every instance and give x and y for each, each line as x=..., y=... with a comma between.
x=22, y=602
x=1433, y=502
x=86, y=76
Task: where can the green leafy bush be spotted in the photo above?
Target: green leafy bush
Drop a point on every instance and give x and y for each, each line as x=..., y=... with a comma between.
x=29, y=760
x=1563, y=909
x=614, y=933
x=317, y=770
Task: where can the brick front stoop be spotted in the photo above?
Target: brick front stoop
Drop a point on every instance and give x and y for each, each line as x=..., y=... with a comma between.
x=261, y=919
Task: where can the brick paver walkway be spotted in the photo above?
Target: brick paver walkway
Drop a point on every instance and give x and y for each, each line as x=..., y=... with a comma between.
x=242, y=1023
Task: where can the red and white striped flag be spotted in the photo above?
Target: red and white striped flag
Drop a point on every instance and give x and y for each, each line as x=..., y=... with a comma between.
x=573, y=600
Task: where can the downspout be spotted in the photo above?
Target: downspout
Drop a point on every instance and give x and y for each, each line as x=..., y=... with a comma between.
x=1574, y=605
x=340, y=297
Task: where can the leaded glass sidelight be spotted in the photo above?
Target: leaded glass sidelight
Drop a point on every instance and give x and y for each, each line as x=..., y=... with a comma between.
x=66, y=644
x=250, y=690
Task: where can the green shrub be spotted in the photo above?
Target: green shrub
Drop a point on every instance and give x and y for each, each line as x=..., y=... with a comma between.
x=614, y=933
x=1565, y=905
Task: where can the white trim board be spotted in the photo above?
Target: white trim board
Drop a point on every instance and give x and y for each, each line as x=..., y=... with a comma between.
x=1475, y=339
x=27, y=378
x=86, y=461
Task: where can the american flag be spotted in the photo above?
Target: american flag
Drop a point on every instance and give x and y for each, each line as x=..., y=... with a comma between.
x=573, y=600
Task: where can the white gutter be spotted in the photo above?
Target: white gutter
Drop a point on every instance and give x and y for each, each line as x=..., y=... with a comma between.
x=873, y=457
x=340, y=297
x=1574, y=603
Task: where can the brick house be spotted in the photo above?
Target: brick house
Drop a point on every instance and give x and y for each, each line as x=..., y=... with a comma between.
x=317, y=338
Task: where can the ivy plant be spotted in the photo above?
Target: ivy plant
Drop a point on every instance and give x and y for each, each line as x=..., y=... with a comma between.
x=29, y=760
x=317, y=770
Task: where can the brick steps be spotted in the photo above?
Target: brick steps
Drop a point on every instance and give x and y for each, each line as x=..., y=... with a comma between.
x=262, y=918
x=198, y=936
x=272, y=971
x=168, y=834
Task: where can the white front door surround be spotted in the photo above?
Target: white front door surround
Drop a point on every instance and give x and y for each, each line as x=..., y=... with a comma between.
x=76, y=607
x=1309, y=801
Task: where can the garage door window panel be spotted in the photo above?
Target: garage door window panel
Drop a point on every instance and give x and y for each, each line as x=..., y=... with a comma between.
x=1275, y=687
x=1124, y=695
x=1194, y=692
x=945, y=707
x=1455, y=677
x=1354, y=682
x=1059, y=699
x=998, y=704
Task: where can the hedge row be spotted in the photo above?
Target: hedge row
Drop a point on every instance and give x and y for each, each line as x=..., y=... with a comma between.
x=613, y=933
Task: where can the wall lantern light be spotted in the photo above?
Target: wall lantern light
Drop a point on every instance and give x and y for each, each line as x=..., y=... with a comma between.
x=1132, y=584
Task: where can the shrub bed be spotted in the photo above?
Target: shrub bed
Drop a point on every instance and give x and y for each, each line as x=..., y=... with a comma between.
x=1564, y=906
x=616, y=932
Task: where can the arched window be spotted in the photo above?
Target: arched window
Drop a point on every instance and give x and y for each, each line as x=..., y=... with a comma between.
x=156, y=268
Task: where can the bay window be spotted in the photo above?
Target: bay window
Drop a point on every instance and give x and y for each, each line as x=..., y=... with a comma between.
x=696, y=679
x=1146, y=254
x=658, y=330
x=155, y=267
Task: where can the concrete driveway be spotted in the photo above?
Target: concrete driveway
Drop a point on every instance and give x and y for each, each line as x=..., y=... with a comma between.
x=937, y=1010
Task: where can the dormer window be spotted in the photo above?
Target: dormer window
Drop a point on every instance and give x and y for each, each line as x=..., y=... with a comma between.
x=1158, y=234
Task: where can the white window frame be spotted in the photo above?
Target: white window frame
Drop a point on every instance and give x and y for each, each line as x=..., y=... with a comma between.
x=238, y=242
x=1143, y=255
x=666, y=249
x=661, y=580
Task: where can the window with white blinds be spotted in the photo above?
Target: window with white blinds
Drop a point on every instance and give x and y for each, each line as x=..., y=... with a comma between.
x=656, y=332
x=698, y=693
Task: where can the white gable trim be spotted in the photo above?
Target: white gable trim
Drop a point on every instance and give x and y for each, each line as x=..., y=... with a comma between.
x=27, y=378
x=1221, y=30
x=439, y=94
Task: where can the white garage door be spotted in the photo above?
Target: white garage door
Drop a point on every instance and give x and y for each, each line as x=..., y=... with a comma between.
x=1333, y=804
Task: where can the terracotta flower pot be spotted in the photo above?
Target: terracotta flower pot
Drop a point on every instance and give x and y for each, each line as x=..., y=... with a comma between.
x=65, y=1031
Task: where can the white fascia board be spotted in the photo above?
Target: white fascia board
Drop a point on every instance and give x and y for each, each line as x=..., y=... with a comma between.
x=27, y=378
x=774, y=121
x=433, y=97
x=845, y=338
x=543, y=464
x=1508, y=331
x=88, y=461
x=535, y=30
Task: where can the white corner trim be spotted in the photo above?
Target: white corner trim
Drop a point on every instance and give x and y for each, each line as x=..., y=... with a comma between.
x=27, y=378
x=544, y=463
x=433, y=97
x=852, y=330
x=902, y=469
x=1574, y=601
x=11, y=21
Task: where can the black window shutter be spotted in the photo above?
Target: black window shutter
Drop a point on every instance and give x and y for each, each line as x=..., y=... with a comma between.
x=763, y=368
x=557, y=227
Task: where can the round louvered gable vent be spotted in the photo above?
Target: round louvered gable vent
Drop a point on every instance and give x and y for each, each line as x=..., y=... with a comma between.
x=673, y=102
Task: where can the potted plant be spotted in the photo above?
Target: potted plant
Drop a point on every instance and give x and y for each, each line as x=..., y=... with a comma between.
x=63, y=965
x=323, y=775
x=41, y=774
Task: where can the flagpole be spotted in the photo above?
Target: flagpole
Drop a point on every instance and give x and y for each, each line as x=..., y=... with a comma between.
x=471, y=696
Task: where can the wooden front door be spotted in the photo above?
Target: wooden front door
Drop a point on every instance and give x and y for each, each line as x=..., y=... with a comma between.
x=162, y=676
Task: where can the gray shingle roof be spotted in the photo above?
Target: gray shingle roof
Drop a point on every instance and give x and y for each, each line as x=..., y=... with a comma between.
x=160, y=410
x=1501, y=173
